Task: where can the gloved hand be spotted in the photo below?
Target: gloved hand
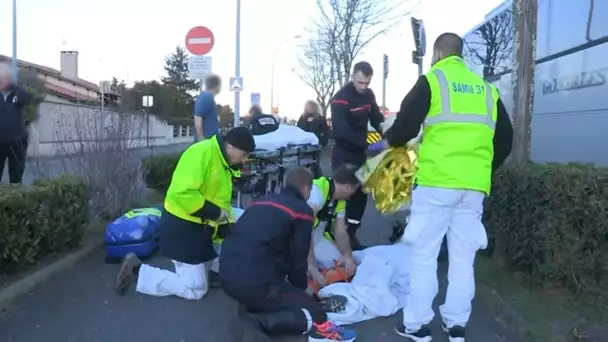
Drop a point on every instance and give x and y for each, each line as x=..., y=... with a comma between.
x=378, y=147
x=349, y=264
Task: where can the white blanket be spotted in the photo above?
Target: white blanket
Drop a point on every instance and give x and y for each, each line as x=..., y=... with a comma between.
x=379, y=288
x=283, y=136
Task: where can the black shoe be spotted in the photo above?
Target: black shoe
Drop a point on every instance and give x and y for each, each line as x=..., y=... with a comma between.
x=282, y=322
x=129, y=269
x=421, y=335
x=214, y=280
x=246, y=328
x=455, y=333
x=398, y=230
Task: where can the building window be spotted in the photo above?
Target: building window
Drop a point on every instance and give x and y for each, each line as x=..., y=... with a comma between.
x=175, y=131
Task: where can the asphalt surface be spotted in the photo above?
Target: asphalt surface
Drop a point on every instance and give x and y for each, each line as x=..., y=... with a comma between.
x=80, y=306
x=55, y=166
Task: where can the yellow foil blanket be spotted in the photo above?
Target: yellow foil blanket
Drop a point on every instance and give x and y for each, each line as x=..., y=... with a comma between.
x=389, y=177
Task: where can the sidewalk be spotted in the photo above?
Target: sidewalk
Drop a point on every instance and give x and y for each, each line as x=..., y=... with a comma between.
x=80, y=306
x=55, y=166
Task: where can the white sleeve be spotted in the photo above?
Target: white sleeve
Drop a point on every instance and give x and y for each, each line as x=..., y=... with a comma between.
x=316, y=199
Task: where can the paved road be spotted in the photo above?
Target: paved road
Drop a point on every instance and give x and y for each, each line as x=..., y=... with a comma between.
x=79, y=306
x=55, y=166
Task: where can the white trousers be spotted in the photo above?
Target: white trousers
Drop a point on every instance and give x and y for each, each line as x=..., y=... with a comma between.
x=436, y=212
x=188, y=281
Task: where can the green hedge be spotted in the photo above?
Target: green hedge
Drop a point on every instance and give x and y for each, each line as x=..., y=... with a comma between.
x=45, y=218
x=551, y=221
x=158, y=170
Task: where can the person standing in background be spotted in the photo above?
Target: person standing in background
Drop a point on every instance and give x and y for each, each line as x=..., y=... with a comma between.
x=13, y=129
x=312, y=121
x=206, y=120
x=352, y=108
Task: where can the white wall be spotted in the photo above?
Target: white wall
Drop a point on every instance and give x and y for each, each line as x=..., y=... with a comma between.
x=67, y=128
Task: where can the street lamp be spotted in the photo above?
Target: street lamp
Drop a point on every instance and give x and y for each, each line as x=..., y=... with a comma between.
x=274, y=57
x=15, y=38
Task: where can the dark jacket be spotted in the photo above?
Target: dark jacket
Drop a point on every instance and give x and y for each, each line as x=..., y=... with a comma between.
x=12, y=126
x=414, y=108
x=262, y=124
x=350, y=114
x=269, y=242
x=318, y=126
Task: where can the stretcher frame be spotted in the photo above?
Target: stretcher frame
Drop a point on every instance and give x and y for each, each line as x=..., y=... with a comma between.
x=268, y=168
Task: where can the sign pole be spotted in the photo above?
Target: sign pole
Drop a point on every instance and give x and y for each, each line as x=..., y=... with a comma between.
x=237, y=66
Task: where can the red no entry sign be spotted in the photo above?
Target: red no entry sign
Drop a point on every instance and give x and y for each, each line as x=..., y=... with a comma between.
x=199, y=40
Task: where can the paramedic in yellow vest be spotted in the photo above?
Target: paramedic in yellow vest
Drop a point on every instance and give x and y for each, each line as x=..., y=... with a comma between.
x=330, y=239
x=467, y=134
x=198, y=201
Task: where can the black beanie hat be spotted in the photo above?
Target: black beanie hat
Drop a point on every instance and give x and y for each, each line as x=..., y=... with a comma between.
x=241, y=138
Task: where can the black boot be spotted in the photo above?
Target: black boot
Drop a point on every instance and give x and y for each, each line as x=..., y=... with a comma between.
x=283, y=322
x=354, y=240
x=246, y=328
x=398, y=230
x=214, y=280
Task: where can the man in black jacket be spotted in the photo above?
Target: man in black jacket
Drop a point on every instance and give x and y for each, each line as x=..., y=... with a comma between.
x=352, y=108
x=467, y=135
x=263, y=266
x=13, y=130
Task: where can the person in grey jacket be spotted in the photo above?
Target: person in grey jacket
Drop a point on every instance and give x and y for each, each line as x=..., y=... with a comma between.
x=13, y=129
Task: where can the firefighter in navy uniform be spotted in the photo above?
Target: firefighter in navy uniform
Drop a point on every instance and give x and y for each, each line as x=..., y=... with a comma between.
x=352, y=108
x=263, y=266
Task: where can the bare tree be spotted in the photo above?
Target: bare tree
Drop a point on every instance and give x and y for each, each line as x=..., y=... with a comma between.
x=98, y=146
x=491, y=44
x=317, y=70
x=348, y=26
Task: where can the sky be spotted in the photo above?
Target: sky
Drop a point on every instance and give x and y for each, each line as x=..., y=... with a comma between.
x=129, y=40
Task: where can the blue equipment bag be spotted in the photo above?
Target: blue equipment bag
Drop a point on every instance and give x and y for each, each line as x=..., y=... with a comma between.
x=134, y=232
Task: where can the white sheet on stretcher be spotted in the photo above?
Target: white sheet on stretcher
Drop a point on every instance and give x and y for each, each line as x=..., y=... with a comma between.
x=283, y=136
x=380, y=287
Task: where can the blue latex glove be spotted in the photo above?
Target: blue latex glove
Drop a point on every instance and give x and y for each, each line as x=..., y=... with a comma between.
x=378, y=147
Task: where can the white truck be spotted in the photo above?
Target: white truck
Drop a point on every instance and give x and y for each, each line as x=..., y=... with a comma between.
x=570, y=113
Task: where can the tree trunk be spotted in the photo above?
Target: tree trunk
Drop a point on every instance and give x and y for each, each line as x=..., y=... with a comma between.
x=524, y=16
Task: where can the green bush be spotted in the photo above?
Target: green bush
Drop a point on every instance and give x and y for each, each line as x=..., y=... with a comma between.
x=158, y=170
x=551, y=221
x=46, y=218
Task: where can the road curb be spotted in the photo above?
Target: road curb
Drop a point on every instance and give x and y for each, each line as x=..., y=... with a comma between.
x=27, y=284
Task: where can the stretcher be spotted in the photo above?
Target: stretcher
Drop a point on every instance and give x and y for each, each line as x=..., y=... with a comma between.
x=287, y=147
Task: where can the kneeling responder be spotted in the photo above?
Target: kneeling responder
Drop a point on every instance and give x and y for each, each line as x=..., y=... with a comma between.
x=197, y=203
x=330, y=238
x=263, y=266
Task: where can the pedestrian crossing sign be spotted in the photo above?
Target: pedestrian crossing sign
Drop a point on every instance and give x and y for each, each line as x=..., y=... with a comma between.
x=236, y=84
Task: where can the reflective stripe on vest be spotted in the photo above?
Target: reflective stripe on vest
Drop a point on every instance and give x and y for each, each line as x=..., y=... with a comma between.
x=446, y=114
